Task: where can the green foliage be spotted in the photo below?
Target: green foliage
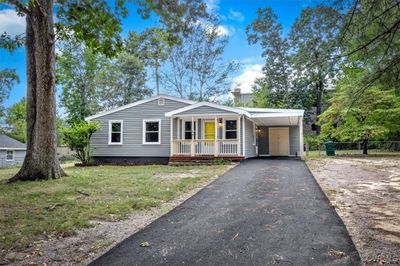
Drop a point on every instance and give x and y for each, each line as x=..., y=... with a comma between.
x=374, y=114
x=77, y=138
x=77, y=68
x=274, y=85
x=195, y=68
x=8, y=77
x=16, y=120
x=313, y=142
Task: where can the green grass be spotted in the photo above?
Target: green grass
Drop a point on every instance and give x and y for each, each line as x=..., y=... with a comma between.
x=351, y=153
x=55, y=207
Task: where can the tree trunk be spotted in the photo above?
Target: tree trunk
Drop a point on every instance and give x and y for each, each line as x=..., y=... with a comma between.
x=157, y=78
x=319, y=105
x=365, y=146
x=41, y=160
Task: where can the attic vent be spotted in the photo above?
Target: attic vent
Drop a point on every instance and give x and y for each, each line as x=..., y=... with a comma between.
x=161, y=101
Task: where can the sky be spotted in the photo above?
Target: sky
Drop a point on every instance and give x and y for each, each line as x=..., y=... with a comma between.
x=234, y=15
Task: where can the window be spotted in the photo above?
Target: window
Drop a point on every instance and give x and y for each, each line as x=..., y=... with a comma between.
x=115, y=132
x=151, y=131
x=10, y=156
x=188, y=130
x=313, y=127
x=230, y=129
x=161, y=101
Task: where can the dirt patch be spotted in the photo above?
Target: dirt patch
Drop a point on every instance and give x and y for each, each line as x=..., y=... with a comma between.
x=187, y=174
x=366, y=195
x=87, y=244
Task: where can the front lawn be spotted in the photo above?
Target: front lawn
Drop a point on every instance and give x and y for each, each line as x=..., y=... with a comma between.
x=56, y=208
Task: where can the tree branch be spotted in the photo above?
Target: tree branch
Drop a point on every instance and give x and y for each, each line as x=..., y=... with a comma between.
x=19, y=6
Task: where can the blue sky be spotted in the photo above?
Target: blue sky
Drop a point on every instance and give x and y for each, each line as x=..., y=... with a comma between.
x=234, y=14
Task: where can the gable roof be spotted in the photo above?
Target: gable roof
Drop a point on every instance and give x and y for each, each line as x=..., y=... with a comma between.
x=138, y=103
x=213, y=105
x=7, y=142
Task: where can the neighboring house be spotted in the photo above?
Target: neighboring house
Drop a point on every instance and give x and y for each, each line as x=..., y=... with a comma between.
x=12, y=152
x=163, y=127
x=242, y=98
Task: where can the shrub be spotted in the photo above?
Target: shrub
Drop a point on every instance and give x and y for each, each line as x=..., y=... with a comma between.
x=77, y=138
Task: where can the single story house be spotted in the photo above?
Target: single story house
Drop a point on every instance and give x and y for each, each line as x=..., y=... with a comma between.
x=12, y=152
x=163, y=128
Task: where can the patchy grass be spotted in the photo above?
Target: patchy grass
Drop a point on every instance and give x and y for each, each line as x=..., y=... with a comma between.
x=312, y=155
x=56, y=208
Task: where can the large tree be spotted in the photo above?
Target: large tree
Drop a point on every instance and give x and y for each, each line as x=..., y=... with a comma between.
x=373, y=115
x=195, y=68
x=314, y=40
x=122, y=81
x=275, y=83
x=97, y=25
x=77, y=68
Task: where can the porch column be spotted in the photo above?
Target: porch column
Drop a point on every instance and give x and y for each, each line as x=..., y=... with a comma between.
x=216, y=136
x=301, y=137
x=192, y=143
x=239, y=149
x=172, y=146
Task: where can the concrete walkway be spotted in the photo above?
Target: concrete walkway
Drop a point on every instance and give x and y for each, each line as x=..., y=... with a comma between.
x=262, y=212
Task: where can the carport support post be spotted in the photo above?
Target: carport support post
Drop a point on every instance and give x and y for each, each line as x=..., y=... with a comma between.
x=301, y=137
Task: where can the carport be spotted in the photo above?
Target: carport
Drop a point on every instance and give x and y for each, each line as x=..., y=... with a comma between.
x=279, y=132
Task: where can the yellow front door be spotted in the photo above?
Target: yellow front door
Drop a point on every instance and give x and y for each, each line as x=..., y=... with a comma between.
x=209, y=130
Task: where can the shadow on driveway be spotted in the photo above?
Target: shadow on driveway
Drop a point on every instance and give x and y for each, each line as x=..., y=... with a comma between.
x=262, y=212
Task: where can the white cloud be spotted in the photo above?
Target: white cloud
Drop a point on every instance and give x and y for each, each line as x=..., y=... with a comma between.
x=235, y=15
x=248, y=76
x=223, y=30
x=212, y=5
x=11, y=23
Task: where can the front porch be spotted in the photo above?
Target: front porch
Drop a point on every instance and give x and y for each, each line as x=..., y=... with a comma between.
x=204, y=137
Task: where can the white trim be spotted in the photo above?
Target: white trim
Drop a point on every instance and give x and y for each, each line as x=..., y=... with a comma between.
x=269, y=141
x=301, y=137
x=213, y=105
x=272, y=110
x=203, y=128
x=10, y=160
x=14, y=149
x=183, y=129
x=244, y=137
x=138, y=103
x=110, y=122
x=171, y=139
x=224, y=127
x=144, y=132
x=265, y=115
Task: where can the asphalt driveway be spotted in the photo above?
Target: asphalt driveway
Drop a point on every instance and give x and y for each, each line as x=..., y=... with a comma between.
x=262, y=212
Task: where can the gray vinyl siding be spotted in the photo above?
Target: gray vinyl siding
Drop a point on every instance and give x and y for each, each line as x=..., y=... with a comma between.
x=250, y=147
x=19, y=156
x=203, y=110
x=132, y=141
x=294, y=140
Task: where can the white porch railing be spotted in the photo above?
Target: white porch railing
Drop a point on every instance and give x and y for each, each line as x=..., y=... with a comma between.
x=205, y=147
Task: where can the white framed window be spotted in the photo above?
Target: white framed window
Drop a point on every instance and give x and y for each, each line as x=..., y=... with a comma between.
x=230, y=129
x=152, y=131
x=187, y=130
x=10, y=156
x=161, y=101
x=115, y=132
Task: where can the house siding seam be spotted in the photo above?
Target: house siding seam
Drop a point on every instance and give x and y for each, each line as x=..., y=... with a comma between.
x=133, y=131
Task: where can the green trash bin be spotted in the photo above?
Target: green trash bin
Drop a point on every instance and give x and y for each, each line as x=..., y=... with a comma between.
x=330, y=148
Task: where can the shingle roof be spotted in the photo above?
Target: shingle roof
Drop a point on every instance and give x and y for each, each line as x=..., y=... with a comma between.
x=10, y=143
